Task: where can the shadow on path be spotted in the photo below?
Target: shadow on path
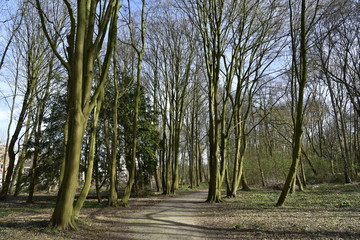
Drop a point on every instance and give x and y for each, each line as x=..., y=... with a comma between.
x=171, y=219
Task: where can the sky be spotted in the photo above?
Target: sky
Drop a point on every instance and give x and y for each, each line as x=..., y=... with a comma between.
x=7, y=8
x=5, y=94
x=4, y=111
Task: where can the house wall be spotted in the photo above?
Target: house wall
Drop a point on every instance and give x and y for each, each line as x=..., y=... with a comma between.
x=2, y=154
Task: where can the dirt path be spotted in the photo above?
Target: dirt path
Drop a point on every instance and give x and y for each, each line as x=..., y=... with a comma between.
x=174, y=218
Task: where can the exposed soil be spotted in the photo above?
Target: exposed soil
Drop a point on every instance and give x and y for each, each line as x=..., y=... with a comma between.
x=187, y=216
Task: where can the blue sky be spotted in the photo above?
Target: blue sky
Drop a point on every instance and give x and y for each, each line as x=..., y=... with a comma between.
x=6, y=10
x=4, y=121
x=4, y=111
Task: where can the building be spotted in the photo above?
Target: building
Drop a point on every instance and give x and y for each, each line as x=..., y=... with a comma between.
x=2, y=167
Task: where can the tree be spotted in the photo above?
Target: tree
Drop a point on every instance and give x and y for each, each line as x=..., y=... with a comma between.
x=257, y=43
x=84, y=44
x=52, y=139
x=147, y=136
x=195, y=128
x=16, y=20
x=337, y=42
x=338, y=52
x=43, y=93
x=30, y=42
x=91, y=154
x=12, y=109
x=113, y=156
x=139, y=52
x=299, y=73
x=214, y=20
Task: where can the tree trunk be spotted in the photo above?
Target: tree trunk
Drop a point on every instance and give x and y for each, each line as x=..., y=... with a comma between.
x=14, y=138
x=140, y=52
x=113, y=197
x=175, y=172
x=302, y=78
x=63, y=159
x=83, y=49
x=11, y=119
x=129, y=185
x=34, y=173
x=98, y=185
x=20, y=165
x=227, y=181
x=199, y=158
x=164, y=163
x=88, y=177
x=308, y=160
x=63, y=217
x=214, y=192
x=261, y=171
x=244, y=183
x=299, y=183
x=157, y=181
x=239, y=126
x=38, y=133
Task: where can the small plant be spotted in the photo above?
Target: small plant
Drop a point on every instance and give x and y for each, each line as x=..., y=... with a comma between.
x=237, y=226
x=344, y=204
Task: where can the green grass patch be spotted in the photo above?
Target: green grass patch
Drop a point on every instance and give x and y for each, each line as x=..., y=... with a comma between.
x=321, y=197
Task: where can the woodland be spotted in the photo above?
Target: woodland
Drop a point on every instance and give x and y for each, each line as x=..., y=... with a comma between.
x=117, y=99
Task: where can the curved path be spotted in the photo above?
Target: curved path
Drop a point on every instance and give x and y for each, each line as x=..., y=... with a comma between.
x=173, y=218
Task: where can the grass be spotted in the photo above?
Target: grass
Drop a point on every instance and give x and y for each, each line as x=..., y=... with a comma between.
x=320, y=212
x=325, y=196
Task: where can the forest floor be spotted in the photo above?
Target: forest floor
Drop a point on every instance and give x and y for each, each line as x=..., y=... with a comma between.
x=320, y=212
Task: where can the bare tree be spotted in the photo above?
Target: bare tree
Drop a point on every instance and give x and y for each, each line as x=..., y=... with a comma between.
x=299, y=74
x=139, y=52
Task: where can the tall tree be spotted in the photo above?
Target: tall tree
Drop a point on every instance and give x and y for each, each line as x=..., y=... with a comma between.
x=257, y=44
x=299, y=70
x=139, y=52
x=91, y=22
x=91, y=155
x=337, y=44
x=113, y=196
x=214, y=20
x=30, y=42
x=43, y=93
x=12, y=109
x=15, y=19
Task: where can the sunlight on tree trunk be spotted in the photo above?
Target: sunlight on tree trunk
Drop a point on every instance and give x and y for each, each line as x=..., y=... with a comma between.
x=140, y=52
x=83, y=49
x=301, y=78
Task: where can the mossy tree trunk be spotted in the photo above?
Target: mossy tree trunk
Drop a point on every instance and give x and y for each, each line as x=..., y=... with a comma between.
x=140, y=52
x=113, y=196
x=85, y=40
x=299, y=79
x=211, y=18
x=91, y=156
